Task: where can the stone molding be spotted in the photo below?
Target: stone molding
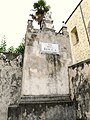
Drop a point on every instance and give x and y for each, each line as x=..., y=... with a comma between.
x=45, y=99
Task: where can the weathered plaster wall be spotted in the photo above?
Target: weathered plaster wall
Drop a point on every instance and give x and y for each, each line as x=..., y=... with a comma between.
x=79, y=75
x=48, y=112
x=80, y=18
x=45, y=74
x=10, y=82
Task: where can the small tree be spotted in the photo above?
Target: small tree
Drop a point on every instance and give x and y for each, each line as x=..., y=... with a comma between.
x=11, y=49
x=41, y=9
x=21, y=47
x=3, y=45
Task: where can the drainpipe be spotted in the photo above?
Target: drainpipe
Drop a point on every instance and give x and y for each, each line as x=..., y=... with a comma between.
x=84, y=25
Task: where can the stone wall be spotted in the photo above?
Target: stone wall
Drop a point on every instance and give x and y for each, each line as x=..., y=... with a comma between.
x=79, y=75
x=44, y=73
x=45, y=86
x=80, y=19
x=63, y=111
x=10, y=82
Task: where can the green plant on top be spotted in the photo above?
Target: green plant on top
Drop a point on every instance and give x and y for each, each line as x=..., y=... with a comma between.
x=41, y=9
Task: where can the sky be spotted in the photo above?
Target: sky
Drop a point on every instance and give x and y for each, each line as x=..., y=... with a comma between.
x=15, y=13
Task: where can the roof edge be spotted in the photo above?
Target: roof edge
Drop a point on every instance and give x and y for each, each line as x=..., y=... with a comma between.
x=73, y=11
x=71, y=14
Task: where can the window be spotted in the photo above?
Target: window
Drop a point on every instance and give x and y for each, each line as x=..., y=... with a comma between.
x=74, y=36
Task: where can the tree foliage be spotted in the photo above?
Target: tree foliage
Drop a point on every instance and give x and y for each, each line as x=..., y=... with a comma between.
x=41, y=6
x=41, y=9
x=20, y=48
x=11, y=49
x=3, y=45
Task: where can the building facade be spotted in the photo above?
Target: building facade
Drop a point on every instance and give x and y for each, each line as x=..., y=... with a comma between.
x=78, y=25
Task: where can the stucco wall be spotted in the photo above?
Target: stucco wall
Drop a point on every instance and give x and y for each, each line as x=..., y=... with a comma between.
x=80, y=51
x=45, y=74
x=79, y=76
x=61, y=111
x=10, y=83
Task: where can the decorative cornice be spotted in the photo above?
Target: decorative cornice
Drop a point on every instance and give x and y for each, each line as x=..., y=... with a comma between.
x=44, y=99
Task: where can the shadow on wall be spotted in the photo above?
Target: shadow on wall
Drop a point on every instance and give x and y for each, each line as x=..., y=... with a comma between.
x=41, y=111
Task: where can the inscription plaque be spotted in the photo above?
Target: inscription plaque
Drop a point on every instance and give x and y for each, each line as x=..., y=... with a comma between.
x=49, y=48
